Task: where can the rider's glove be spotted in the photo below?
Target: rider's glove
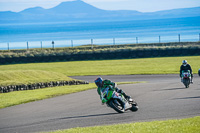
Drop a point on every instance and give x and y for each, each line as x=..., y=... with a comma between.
x=104, y=100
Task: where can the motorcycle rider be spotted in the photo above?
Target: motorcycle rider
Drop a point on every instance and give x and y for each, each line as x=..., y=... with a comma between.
x=199, y=72
x=186, y=66
x=102, y=84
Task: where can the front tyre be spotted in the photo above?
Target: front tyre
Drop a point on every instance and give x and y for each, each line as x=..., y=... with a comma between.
x=117, y=105
x=134, y=107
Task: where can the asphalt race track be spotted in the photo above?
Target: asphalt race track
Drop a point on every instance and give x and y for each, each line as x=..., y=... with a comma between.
x=162, y=97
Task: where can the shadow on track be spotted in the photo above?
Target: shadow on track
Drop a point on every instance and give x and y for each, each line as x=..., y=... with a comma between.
x=86, y=116
x=188, y=97
x=174, y=89
x=58, y=119
x=171, y=89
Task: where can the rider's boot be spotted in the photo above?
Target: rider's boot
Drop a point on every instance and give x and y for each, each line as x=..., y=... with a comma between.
x=127, y=97
x=124, y=94
x=191, y=81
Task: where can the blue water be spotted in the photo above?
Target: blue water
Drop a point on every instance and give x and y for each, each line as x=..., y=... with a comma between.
x=120, y=32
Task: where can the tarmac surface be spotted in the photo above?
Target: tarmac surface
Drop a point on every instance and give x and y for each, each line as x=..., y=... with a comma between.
x=161, y=97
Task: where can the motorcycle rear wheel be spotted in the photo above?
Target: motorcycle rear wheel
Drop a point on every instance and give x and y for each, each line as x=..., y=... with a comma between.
x=186, y=82
x=117, y=106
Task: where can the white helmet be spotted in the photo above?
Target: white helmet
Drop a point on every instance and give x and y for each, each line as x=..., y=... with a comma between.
x=184, y=62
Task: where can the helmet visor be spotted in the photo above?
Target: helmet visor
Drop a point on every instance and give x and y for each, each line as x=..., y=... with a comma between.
x=98, y=82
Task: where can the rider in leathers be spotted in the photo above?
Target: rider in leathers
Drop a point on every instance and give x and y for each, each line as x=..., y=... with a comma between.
x=186, y=66
x=101, y=84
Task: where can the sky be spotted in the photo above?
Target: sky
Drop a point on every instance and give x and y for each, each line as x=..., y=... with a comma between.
x=138, y=5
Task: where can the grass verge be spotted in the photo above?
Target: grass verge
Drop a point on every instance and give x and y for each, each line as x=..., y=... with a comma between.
x=187, y=125
x=18, y=77
x=162, y=65
x=20, y=97
x=58, y=71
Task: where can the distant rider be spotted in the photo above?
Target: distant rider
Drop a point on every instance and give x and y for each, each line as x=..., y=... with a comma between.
x=102, y=84
x=199, y=72
x=184, y=67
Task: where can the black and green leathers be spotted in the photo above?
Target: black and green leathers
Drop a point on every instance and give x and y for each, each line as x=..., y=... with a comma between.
x=111, y=85
x=106, y=83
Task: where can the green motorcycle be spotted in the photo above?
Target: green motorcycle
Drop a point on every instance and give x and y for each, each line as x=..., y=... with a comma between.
x=117, y=101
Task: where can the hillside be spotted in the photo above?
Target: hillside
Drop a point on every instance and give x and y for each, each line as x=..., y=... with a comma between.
x=81, y=11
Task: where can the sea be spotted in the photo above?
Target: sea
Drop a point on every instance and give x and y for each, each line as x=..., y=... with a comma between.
x=70, y=34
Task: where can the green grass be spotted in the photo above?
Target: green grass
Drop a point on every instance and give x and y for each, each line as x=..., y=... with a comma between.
x=18, y=73
x=163, y=65
x=17, y=77
x=20, y=97
x=187, y=125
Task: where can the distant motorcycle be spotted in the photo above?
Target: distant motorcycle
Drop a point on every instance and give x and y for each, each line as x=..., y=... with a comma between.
x=186, y=78
x=117, y=101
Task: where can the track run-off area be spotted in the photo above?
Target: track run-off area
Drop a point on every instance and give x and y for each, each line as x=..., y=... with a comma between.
x=160, y=97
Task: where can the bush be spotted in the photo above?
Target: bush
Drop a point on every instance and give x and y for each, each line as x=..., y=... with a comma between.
x=100, y=52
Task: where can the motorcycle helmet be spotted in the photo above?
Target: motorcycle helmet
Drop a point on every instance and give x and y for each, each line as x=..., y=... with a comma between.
x=99, y=81
x=184, y=62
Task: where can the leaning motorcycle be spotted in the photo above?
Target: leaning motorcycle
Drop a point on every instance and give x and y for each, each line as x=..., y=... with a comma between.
x=186, y=78
x=117, y=101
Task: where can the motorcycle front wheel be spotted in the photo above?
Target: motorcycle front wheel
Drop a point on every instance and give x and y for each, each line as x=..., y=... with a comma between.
x=134, y=107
